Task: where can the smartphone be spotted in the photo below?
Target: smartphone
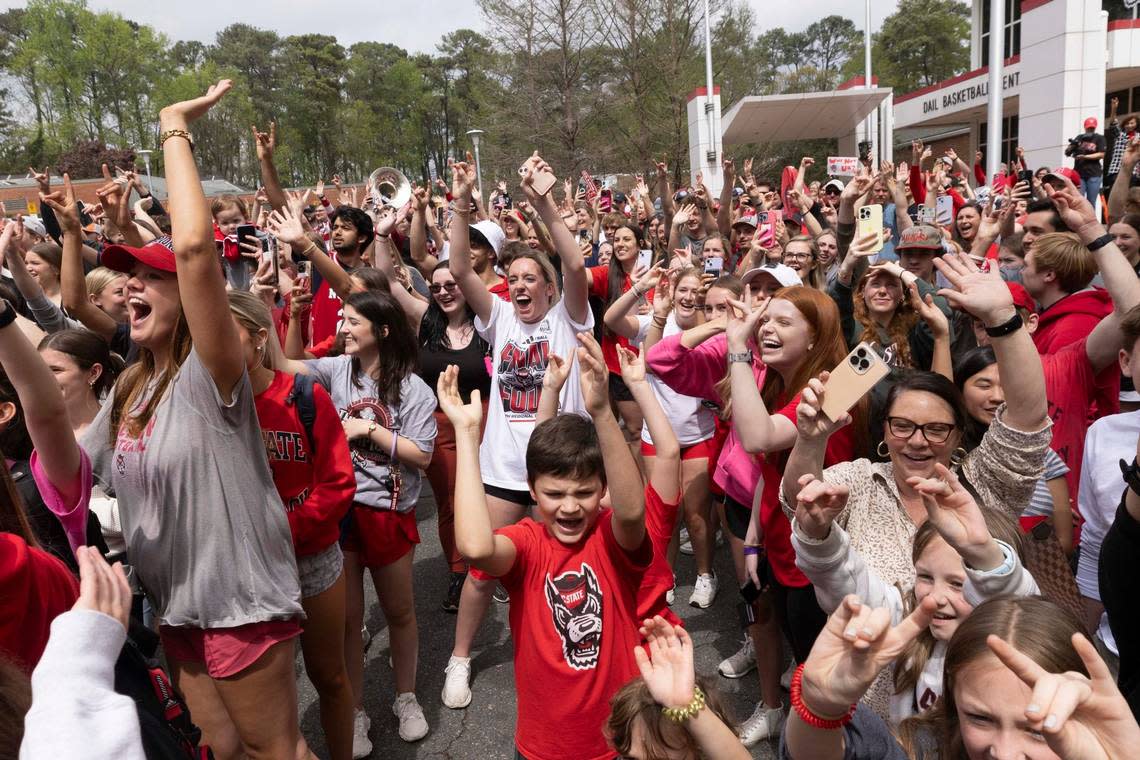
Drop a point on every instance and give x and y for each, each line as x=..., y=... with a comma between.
x=765, y=229
x=644, y=259
x=926, y=215
x=1025, y=175
x=853, y=379
x=870, y=221
x=269, y=254
x=714, y=265
x=583, y=235
x=305, y=274
x=944, y=210
x=543, y=180
x=605, y=202
x=247, y=233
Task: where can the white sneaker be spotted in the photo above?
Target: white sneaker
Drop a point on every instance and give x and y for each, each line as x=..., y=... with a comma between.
x=686, y=543
x=704, y=591
x=786, y=678
x=457, y=683
x=764, y=723
x=413, y=725
x=361, y=744
x=741, y=663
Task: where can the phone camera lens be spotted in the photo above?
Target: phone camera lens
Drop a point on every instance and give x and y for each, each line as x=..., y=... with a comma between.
x=854, y=361
x=863, y=365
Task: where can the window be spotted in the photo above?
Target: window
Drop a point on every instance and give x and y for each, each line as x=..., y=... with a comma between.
x=1118, y=10
x=1008, y=138
x=1012, y=43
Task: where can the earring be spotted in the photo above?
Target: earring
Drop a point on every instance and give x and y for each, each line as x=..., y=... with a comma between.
x=811, y=346
x=957, y=457
x=882, y=450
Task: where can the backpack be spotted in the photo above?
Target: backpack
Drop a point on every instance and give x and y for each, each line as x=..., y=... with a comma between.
x=165, y=726
x=302, y=398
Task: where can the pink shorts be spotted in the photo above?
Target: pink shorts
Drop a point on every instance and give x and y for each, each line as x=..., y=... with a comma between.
x=225, y=651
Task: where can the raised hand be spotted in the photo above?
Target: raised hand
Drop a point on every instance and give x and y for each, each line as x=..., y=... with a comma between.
x=43, y=179
x=818, y=504
x=265, y=142
x=557, y=370
x=743, y=321
x=852, y=648
x=102, y=587
x=983, y=294
x=531, y=169
x=463, y=416
x=189, y=111
x=420, y=198
x=114, y=196
x=1081, y=718
x=1075, y=210
x=668, y=670
x=811, y=422
x=934, y=317
x=593, y=375
x=957, y=517
x=286, y=225
x=632, y=365
x=463, y=180
x=64, y=205
x=662, y=167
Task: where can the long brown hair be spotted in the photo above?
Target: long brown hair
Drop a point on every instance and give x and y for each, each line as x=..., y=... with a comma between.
x=15, y=701
x=12, y=517
x=633, y=702
x=897, y=329
x=135, y=380
x=1038, y=628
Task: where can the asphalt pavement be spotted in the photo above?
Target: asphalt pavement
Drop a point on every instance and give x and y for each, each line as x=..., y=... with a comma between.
x=485, y=729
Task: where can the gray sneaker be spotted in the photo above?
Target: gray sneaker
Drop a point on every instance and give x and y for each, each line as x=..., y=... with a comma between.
x=740, y=663
x=764, y=723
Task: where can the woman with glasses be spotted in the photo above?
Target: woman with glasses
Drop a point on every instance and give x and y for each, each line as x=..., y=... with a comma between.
x=446, y=335
x=925, y=424
x=802, y=255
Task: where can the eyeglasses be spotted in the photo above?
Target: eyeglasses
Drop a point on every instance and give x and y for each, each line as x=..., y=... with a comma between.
x=436, y=288
x=792, y=255
x=933, y=432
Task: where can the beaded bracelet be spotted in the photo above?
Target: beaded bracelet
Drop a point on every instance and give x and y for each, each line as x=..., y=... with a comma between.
x=682, y=714
x=805, y=713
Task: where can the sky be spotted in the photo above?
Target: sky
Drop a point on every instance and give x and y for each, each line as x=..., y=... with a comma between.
x=416, y=25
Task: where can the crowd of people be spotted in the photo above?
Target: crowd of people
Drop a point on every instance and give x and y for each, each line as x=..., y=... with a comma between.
x=903, y=401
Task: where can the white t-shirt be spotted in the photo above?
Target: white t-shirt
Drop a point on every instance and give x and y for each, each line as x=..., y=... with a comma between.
x=691, y=421
x=1109, y=440
x=519, y=355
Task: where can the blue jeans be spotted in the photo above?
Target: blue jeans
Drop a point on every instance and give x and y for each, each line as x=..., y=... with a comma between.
x=1090, y=188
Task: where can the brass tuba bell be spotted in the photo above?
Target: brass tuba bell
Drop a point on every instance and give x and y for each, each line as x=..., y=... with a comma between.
x=389, y=187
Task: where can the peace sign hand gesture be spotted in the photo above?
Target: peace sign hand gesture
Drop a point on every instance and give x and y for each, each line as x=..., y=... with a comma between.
x=742, y=321
x=1082, y=718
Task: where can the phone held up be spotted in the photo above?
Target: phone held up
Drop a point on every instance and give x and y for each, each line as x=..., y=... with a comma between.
x=543, y=181
x=855, y=376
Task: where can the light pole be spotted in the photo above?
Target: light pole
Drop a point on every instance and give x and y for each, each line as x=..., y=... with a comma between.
x=146, y=160
x=476, y=135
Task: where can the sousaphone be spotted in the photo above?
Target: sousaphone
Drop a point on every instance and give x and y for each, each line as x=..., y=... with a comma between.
x=389, y=187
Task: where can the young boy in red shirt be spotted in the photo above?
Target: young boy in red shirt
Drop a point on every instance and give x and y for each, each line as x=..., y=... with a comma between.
x=573, y=573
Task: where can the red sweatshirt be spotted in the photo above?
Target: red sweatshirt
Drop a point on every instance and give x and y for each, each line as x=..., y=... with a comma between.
x=34, y=588
x=317, y=486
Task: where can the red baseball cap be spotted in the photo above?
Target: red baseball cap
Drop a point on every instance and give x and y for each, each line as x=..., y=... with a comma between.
x=1021, y=297
x=1090, y=122
x=158, y=253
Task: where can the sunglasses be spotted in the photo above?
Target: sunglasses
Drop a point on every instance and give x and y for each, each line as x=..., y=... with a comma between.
x=436, y=288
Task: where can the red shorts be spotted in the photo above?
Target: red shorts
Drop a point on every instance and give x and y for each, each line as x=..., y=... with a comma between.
x=380, y=536
x=225, y=651
x=706, y=449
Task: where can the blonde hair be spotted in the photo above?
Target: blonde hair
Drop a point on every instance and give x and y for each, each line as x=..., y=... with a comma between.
x=1063, y=254
x=253, y=315
x=99, y=278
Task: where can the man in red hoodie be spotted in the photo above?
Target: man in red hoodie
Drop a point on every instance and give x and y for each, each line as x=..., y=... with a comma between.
x=1057, y=273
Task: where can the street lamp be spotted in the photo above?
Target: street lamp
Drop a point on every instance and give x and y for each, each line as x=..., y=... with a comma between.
x=476, y=135
x=146, y=159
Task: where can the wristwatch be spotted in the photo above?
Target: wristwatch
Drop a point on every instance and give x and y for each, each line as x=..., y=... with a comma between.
x=744, y=357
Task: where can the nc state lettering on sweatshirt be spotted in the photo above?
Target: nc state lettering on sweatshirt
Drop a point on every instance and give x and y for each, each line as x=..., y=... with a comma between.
x=285, y=446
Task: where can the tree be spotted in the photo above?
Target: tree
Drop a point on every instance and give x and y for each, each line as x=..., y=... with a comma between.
x=829, y=44
x=922, y=43
x=85, y=159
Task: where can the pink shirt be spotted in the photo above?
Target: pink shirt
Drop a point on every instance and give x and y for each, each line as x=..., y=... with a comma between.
x=73, y=517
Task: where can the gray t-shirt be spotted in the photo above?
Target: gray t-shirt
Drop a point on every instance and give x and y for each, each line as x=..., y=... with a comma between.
x=377, y=484
x=204, y=527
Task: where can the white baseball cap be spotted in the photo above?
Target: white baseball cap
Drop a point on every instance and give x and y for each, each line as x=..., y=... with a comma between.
x=781, y=273
x=492, y=233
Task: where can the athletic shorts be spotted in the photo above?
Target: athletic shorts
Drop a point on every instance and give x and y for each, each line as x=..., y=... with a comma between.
x=522, y=498
x=619, y=391
x=380, y=536
x=318, y=572
x=737, y=516
x=705, y=449
x=225, y=652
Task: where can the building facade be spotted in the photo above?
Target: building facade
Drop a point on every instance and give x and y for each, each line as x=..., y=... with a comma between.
x=1064, y=61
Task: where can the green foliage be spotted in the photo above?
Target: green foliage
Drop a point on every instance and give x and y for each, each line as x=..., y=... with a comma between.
x=597, y=84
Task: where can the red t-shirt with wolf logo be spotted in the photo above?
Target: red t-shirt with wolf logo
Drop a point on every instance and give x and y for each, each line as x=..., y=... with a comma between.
x=574, y=624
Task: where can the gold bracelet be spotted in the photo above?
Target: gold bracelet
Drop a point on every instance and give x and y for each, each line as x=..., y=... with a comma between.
x=310, y=246
x=682, y=714
x=175, y=133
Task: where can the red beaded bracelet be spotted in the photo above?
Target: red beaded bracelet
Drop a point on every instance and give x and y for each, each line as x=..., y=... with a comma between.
x=806, y=715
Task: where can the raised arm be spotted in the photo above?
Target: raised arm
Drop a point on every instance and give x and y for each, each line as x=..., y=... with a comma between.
x=286, y=224
x=759, y=431
x=474, y=536
x=201, y=285
x=619, y=316
x=813, y=428
x=724, y=213
x=72, y=282
x=664, y=191
x=459, y=260
x=417, y=233
x=266, y=144
x=665, y=475
x=575, y=287
x=623, y=477
x=45, y=413
x=986, y=297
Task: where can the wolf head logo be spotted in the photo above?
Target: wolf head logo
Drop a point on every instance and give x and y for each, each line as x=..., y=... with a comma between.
x=575, y=600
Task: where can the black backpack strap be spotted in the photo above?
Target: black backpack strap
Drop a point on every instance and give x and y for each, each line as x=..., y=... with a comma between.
x=302, y=397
